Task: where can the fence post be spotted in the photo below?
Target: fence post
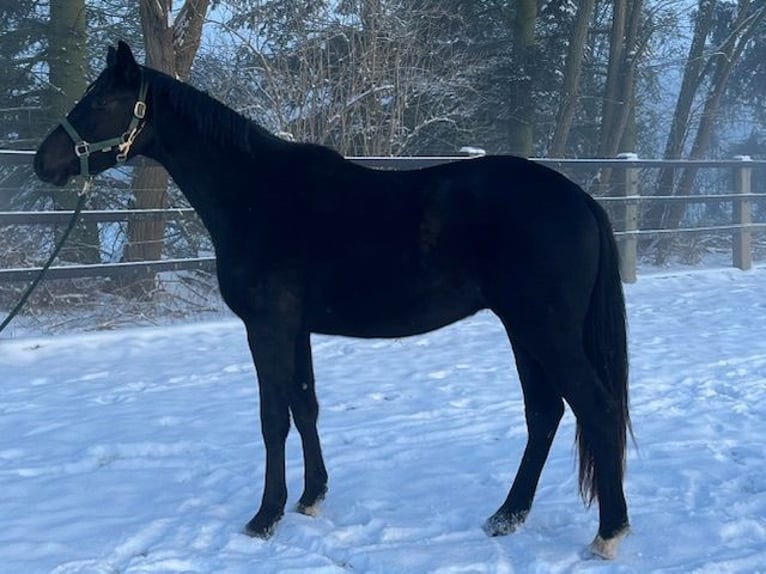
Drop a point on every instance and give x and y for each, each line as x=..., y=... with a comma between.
x=628, y=243
x=742, y=238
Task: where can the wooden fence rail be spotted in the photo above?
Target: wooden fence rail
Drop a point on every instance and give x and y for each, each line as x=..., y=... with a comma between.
x=624, y=203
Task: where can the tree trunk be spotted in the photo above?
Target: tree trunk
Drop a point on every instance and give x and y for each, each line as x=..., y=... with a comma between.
x=67, y=61
x=571, y=84
x=617, y=133
x=170, y=50
x=623, y=134
x=723, y=61
x=187, y=35
x=611, y=99
x=690, y=83
x=521, y=121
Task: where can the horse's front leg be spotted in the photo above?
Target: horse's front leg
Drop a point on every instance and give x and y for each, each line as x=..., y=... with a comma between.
x=273, y=354
x=305, y=410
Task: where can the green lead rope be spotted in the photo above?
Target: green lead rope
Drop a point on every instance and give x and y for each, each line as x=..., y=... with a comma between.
x=82, y=196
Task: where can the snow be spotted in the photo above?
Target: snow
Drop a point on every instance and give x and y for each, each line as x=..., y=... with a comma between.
x=139, y=451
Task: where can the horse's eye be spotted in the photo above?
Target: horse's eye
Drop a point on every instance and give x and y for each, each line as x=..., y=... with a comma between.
x=100, y=103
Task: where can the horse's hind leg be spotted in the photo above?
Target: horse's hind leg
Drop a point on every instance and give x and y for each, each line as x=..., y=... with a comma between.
x=544, y=408
x=551, y=354
x=598, y=423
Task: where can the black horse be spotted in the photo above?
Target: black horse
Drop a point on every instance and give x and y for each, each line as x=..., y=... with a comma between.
x=308, y=242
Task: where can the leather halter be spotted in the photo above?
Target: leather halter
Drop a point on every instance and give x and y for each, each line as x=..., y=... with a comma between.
x=83, y=149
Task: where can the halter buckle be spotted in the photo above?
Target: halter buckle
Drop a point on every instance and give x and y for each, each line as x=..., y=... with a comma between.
x=82, y=148
x=139, y=110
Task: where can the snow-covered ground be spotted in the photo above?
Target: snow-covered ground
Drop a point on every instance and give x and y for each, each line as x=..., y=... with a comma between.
x=139, y=450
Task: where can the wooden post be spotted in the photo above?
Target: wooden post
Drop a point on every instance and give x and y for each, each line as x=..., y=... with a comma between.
x=628, y=244
x=741, y=239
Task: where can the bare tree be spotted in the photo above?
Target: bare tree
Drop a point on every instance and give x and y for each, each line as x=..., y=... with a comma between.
x=626, y=46
x=67, y=61
x=705, y=79
x=370, y=77
x=521, y=124
x=170, y=48
x=571, y=82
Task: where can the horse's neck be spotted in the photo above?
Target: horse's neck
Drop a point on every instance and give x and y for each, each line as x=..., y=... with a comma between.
x=200, y=160
x=193, y=158
x=211, y=177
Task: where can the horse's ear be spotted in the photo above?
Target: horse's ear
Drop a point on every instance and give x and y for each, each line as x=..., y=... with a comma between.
x=111, y=56
x=126, y=64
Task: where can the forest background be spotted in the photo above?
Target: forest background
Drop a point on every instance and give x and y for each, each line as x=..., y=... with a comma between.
x=537, y=78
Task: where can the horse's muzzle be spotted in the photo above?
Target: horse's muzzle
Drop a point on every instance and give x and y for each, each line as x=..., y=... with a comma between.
x=48, y=169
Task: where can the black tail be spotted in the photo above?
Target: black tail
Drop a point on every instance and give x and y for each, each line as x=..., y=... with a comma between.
x=605, y=337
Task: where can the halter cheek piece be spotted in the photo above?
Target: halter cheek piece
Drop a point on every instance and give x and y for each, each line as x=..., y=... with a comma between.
x=83, y=149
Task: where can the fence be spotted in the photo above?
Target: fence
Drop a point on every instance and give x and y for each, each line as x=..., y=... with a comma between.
x=624, y=200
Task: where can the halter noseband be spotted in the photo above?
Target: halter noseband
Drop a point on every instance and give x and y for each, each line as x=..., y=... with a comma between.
x=83, y=149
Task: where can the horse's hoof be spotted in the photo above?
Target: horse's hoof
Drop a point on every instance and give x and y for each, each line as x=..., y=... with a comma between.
x=607, y=549
x=262, y=533
x=261, y=528
x=311, y=508
x=500, y=524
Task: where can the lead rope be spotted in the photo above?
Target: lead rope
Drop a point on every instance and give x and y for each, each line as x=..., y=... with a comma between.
x=81, y=197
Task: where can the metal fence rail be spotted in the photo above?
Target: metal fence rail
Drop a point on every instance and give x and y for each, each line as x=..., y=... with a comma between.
x=110, y=269
x=94, y=215
x=624, y=208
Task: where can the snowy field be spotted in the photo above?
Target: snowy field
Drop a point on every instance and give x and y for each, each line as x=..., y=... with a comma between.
x=139, y=451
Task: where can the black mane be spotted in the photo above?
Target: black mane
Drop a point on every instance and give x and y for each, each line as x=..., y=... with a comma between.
x=216, y=123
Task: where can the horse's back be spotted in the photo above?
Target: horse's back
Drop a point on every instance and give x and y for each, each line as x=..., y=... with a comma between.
x=398, y=253
x=509, y=213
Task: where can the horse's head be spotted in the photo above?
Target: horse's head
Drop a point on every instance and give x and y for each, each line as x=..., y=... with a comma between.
x=103, y=126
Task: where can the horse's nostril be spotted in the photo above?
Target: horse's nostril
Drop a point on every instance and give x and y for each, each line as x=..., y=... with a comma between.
x=45, y=172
